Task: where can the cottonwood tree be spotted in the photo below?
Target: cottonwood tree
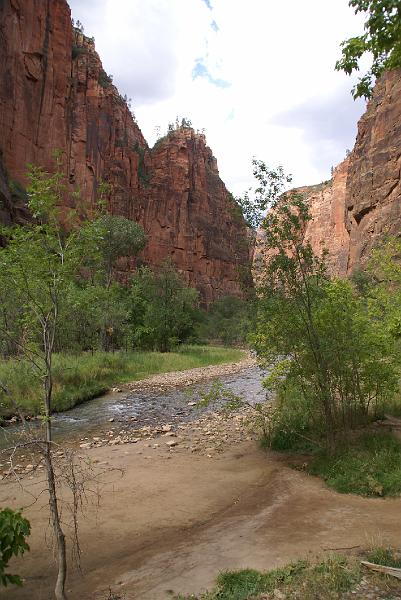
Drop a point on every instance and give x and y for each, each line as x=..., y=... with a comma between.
x=314, y=333
x=163, y=308
x=38, y=265
x=381, y=42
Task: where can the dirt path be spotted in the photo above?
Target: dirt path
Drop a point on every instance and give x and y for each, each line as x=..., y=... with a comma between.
x=182, y=513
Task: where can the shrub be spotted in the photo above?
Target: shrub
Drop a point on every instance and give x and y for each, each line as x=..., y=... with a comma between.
x=104, y=79
x=14, y=530
x=369, y=466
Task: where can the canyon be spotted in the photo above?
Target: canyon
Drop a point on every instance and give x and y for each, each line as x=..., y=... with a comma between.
x=55, y=95
x=361, y=204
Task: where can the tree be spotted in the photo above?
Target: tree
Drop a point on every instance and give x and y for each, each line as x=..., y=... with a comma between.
x=109, y=238
x=381, y=40
x=228, y=319
x=14, y=530
x=36, y=265
x=315, y=335
x=163, y=308
x=271, y=183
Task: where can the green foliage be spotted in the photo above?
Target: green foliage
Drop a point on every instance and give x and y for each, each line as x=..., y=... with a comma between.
x=294, y=424
x=104, y=79
x=77, y=51
x=316, y=333
x=326, y=580
x=369, y=466
x=384, y=556
x=228, y=319
x=163, y=309
x=381, y=40
x=271, y=184
x=111, y=237
x=14, y=530
x=79, y=377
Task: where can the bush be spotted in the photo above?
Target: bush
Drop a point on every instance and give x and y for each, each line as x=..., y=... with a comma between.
x=14, y=530
x=104, y=79
x=295, y=423
x=369, y=466
x=228, y=320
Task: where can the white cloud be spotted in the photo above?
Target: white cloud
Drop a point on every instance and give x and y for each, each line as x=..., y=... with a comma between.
x=264, y=65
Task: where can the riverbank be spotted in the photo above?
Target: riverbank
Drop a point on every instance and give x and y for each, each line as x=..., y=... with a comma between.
x=78, y=378
x=178, y=507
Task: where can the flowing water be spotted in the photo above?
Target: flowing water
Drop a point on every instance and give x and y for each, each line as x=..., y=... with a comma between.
x=141, y=408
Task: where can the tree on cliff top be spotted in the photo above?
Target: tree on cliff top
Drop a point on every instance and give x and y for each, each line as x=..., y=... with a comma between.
x=382, y=40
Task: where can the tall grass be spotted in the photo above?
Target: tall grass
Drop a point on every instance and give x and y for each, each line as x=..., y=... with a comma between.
x=369, y=466
x=329, y=579
x=81, y=377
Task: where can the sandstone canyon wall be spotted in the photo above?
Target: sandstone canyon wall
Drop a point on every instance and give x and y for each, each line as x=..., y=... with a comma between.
x=54, y=94
x=353, y=211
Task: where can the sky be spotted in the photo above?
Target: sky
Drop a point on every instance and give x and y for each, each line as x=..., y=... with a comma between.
x=257, y=76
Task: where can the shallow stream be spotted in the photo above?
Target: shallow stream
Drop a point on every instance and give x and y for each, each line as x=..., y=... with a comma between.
x=141, y=408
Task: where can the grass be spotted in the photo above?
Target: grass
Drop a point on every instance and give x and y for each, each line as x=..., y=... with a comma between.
x=326, y=580
x=369, y=466
x=85, y=376
x=384, y=556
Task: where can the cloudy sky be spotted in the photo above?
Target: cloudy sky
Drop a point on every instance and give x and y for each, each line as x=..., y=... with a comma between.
x=258, y=76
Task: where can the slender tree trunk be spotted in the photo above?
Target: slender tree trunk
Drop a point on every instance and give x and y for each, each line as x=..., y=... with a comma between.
x=59, y=590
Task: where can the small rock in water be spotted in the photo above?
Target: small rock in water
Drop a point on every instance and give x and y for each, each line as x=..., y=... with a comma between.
x=116, y=390
x=171, y=443
x=111, y=420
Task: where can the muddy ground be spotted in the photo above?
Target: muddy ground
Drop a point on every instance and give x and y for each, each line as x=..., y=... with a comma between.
x=171, y=516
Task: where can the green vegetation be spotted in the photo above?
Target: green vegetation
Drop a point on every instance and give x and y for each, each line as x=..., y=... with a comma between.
x=77, y=51
x=104, y=79
x=381, y=41
x=369, y=466
x=228, y=320
x=332, y=348
x=325, y=349
x=384, y=556
x=14, y=530
x=326, y=580
x=163, y=309
x=84, y=376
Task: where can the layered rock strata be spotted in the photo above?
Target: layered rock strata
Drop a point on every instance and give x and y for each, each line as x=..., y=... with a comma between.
x=54, y=94
x=361, y=204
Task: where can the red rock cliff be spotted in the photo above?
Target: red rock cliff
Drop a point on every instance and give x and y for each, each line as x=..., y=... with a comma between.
x=362, y=202
x=54, y=94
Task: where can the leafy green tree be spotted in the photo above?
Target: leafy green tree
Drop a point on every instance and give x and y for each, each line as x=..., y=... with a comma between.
x=228, y=319
x=36, y=265
x=14, y=530
x=110, y=238
x=381, y=40
x=384, y=289
x=315, y=334
x=163, y=309
x=254, y=203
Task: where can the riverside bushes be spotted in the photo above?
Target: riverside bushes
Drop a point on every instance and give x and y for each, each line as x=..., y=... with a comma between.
x=333, y=364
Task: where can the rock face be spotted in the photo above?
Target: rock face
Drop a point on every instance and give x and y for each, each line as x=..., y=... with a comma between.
x=362, y=202
x=54, y=94
x=373, y=197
